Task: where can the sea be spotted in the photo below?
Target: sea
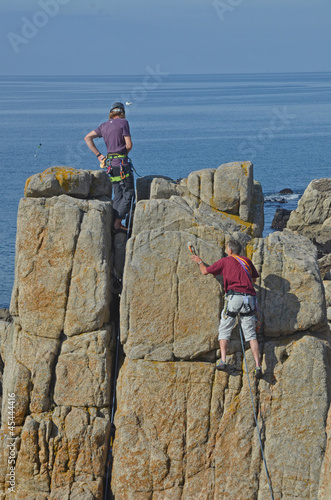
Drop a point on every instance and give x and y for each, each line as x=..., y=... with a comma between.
x=179, y=123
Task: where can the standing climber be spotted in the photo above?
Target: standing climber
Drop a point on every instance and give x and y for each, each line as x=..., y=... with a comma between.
x=116, y=134
x=239, y=274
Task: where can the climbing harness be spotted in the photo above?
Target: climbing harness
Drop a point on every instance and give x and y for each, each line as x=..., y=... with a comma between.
x=118, y=178
x=123, y=175
x=254, y=411
x=114, y=400
x=248, y=270
x=245, y=305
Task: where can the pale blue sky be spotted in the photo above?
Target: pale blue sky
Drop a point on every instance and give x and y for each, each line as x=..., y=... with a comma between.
x=101, y=37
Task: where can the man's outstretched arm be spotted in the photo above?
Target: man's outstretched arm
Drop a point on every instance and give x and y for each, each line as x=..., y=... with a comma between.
x=202, y=266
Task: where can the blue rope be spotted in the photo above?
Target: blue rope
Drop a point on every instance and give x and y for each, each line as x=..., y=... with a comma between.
x=255, y=417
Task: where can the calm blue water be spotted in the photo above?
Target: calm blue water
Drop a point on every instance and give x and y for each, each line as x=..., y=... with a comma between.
x=280, y=122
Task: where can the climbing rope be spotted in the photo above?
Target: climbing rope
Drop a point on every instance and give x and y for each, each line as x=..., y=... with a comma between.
x=255, y=417
x=135, y=171
x=130, y=218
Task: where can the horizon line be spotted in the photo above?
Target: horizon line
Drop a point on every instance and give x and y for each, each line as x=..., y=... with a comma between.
x=169, y=74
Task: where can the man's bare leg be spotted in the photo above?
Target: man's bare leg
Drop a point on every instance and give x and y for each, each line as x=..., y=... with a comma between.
x=255, y=351
x=223, y=347
x=118, y=224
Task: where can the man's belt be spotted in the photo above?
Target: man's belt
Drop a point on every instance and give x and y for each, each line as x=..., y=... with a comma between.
x=233, y=292
x=111, y=156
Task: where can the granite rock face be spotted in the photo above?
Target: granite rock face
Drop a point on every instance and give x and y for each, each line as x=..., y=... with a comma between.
x=226, y=195
x=290, y=290
x=229, y=188
x=158, y=322
x=184, y=430
x=58, y=347
x=62, y=278
x=313, y=215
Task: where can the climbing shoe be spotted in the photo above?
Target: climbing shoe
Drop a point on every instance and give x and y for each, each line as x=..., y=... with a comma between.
x=258, y=372
x=220, y=365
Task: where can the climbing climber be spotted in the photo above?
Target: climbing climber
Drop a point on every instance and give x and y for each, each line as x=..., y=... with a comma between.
x=116, y=134
x=239, y=275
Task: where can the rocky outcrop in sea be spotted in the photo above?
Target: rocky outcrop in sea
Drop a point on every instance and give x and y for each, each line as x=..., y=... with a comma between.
x=183, y=430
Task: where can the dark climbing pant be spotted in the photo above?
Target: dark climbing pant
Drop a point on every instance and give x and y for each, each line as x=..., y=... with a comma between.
x=123, y=193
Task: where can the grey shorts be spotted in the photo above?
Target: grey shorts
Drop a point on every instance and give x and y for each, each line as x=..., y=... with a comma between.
x=234, y=304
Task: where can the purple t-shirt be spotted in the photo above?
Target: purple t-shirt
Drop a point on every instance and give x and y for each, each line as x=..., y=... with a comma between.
x=113, y=133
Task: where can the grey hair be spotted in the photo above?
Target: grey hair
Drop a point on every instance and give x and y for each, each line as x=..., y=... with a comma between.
x=235, y=246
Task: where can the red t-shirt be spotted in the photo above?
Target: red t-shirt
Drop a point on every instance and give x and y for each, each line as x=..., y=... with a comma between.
x=234, y=275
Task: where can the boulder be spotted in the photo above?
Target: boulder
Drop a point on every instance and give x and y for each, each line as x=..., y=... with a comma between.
x=160, y=285
x=55, y=181
x=312, y=218
x=290, y=289
x=209, y=194
x=176, y=214
x=280, y=219
x=286, y=191
x=83, y=370
x=89, y=293
x=229, y=188
x=165, y=188
x=62, y=272
x=143, y=185
x=29, y=372
x=100, y=184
